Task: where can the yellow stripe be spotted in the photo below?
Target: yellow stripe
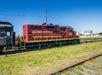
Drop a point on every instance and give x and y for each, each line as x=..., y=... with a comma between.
x=46, y=36
x=52, y=40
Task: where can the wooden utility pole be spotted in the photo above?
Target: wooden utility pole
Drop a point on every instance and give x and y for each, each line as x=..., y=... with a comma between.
x=46, y=16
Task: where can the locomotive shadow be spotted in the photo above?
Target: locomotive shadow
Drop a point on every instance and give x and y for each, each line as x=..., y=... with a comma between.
x=14, y=51
x=19, y=51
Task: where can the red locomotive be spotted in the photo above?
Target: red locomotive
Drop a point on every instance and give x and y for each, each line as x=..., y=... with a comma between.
x=33, y=33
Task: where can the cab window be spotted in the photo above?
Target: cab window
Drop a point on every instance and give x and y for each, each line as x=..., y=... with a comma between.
x=8, y=33
x=2, y=33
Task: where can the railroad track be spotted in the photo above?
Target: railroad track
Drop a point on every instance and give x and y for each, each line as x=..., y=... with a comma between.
x=90, y=66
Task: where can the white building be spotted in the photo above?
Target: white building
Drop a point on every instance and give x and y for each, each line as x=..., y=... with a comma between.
x=88, y=32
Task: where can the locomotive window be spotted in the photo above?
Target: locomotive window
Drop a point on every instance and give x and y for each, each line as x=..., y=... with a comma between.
x=2, y=33
x=63, y=28
x=8, y=33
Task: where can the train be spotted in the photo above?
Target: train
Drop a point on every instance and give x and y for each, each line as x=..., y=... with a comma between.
x=6, y=29
x=35, y=35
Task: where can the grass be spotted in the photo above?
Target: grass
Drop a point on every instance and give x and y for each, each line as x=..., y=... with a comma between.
x=44, y=61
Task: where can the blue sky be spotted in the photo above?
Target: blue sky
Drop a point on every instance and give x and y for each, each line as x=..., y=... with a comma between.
x=80, y=14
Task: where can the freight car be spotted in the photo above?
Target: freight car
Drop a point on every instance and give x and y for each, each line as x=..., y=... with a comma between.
x=6, y=29
x=48, y=35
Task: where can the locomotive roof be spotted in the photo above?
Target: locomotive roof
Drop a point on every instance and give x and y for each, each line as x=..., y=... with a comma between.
x=2, y=22
x=7, y=24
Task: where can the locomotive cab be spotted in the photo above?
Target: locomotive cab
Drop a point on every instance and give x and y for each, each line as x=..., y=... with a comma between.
x=6, y=30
